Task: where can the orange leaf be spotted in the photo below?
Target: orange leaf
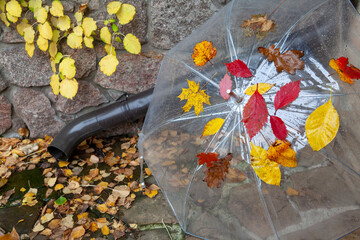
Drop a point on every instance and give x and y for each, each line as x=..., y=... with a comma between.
x=346, y=73
x=207, y=158
x=203, y=52
x=11, y=236
x=77, y=232
x=105, y=230
x=281, y=153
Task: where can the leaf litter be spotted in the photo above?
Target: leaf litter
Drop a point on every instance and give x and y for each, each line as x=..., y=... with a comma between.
x=84, y=195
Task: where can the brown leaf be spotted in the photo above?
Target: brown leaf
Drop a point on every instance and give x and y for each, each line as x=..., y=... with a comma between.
x=258, y=24
x=55, y=223
x=216, y=174
x=3, y=181
x=77, y=232
x=5, y=197
x=24, y=132
x=235, y=175
x=292, y=192
x=11, y=236
x=288, y=61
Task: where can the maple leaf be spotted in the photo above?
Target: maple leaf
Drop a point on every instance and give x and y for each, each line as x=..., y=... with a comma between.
x=288, y=61
x=217, y=173
x=281, y=153
x=195, y=97
x=345, y=72
x=225, y=84
x=278, y=127
x=287, y=94
x=238, y=68
x=255, y=114
x=203, y=53
x=259, y=25
x=207, y=158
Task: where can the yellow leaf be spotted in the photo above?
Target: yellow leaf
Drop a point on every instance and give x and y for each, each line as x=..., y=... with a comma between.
x=52, y=49
x=53, y=65
x=203, y=52
x=21, y=26
x=14, y=8
x=69, y=88
x=57, y=9
x=93, y=227
x=113, y=7
x=11, y=18
x=2, y=5
x=195, y=97
x=262, y=88
x=102, y=208
x=68, y=172
x=67, y=67
x=132, y=44
x=89, y=25
x=63, y=23
x=105, y=230
x=63, y=163
x=30, y=48
x=78, y=16
x=281, y=153
x=108, y=64
x=74, y=41
x=78, y=31
x=42, y=43
x=126, y=13
x=266, y=170
x=322, y=126
x=29, y=34
x=45, y=30
x=105, y=35
x=77, y=232
x=41, y=15
x=58, y=187
x=109, y=48
x=152, y=193
x=148, y=172
x=55, y=84
x=4, y=19
x=34, y=5
x=88, y=41
x=212, y=127
x=56, y=35
x=22, y=189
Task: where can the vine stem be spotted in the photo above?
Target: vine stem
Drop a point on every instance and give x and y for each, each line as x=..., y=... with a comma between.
x=276, y=9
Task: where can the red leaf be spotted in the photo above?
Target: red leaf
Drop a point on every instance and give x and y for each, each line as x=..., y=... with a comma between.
x=225, y=84
x=255, y=114
x=287, y=94
x=207, y=158
x=238, y=68
x=346, y=73
x=278, y=127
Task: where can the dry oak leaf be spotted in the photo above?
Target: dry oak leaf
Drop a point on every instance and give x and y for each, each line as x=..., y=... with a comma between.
x=217, y=173
x=281, y=153
x=203, y=53
x=347, y=74
x=288, y=61
x=259, y=25
x=195, y=97
x=207, y=158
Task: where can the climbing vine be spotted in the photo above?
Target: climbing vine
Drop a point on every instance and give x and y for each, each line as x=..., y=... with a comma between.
x=49, y=26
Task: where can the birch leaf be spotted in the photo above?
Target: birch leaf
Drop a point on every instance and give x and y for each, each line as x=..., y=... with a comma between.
x=212, y=127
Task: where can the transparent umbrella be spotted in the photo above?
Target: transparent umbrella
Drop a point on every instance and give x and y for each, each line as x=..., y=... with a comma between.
x=318, y=199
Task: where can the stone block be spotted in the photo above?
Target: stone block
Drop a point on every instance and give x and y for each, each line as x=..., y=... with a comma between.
x=5, y=115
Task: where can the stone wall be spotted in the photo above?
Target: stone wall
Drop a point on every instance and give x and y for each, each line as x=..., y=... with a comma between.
x=26, y=98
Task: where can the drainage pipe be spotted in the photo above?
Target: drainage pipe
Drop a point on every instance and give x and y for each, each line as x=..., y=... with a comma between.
x=64, y=143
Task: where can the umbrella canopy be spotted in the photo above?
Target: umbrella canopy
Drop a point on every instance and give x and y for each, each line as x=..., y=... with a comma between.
x=317, y=199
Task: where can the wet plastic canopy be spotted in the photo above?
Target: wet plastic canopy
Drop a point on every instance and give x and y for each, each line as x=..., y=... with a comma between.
x=326, y=200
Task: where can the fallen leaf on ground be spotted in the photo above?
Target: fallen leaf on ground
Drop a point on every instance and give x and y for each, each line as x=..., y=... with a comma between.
x=292, y=192
x=203, y=52
x=346, y=73
x=216, y=174
x=77, y=232
x=13, y=235
x=258, y=24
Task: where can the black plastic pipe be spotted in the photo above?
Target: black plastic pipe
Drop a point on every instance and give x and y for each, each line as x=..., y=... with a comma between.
x=135, y=107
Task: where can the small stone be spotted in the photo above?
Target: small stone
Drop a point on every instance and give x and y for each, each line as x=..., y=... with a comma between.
x=87, y=95
x=5, y=115
x=19, y=69
x=3, y=84
x=35, y=110
x=138, y=73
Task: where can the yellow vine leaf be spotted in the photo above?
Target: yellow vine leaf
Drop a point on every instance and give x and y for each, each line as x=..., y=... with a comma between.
x=108, y=64
x=74, y=41
x=62, y=23
x=67, y=67
x=4, y=19
x=195, y=97
x=266, y=170
x=53, y=65
x=105, y=35
x=56, y=35
x=78, y=16
x=89, y=25
x=42, y=43
x=29, y=34
x=113, y=7
x=88, y=41
x=126, y=13
x=30, y=48
x=57, y=9
x=262, y=88
x=45, y=30
x=281, y=153
x=41, y=15
x=21, y=26
x=53, y=49
x=322, y=126
x=14, y=8
x=78, y=31
x=2, y=5
x=55, y=84
x=11, y=18
x=212, y=127
x=132, y=44
x=68, y=88
x=34, y=5
x=109, y=48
